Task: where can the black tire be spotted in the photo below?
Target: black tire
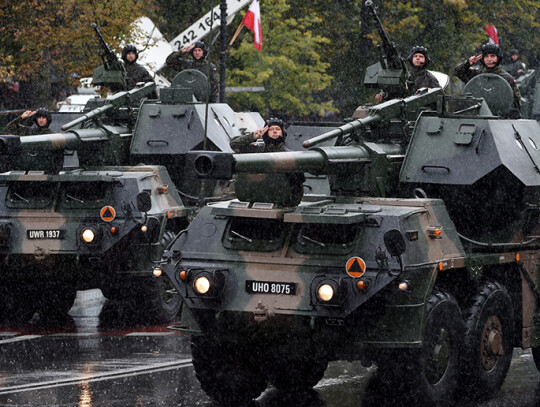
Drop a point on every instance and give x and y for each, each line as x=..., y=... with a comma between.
x=536, y=356
x=48, y=299
x=228, y=373
x=489, y=336
x=154, y=298
x=295, y=373
x=431, y=373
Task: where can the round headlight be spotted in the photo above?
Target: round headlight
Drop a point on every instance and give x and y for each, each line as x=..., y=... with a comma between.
x=325, y=292
x=88, y=235
x=201, y=285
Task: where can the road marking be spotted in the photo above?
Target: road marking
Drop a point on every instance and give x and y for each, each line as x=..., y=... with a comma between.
x=20, y=338
x=117, y=374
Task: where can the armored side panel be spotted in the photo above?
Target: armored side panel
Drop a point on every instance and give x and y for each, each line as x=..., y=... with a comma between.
x=487, y=171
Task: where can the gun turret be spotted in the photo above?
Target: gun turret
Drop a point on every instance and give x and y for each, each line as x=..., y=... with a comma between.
x=112, y=73
x=388, y=74
x=361, y=168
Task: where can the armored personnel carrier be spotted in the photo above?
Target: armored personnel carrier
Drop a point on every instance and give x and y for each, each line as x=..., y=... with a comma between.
x=422, y=260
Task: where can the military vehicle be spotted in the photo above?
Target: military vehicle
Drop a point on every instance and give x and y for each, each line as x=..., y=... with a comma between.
x=58, y=186
x=422, y=260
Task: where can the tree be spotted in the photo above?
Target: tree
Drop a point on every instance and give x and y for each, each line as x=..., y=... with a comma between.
x=49, y=42
x=290, y=67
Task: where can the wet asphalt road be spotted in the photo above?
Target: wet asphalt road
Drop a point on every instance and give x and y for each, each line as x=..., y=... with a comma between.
x=104, y=356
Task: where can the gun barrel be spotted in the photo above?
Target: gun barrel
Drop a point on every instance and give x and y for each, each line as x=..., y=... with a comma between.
x=321, y=160
x=342, y=130
x=90, y=115
x=120, y=98
x=60, y=141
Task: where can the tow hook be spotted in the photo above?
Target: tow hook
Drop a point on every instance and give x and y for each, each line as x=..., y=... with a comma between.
x=261, y=312
x=40, y=254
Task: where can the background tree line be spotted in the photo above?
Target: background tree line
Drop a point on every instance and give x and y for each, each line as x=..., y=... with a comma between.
x=314, y=53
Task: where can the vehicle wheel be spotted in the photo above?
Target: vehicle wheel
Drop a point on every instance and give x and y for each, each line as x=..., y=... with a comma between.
x=160, y=300
x=536, y=356
x=228, y=373
x=57, y=298
x=431, y=373
x=489, y=335
x=295, y=373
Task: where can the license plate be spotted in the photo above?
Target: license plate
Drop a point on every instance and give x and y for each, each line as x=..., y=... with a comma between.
x=270, y=287
x=45, y=234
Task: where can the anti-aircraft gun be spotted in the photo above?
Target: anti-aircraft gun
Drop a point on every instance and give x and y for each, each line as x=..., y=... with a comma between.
x=112, y=72
x=105, y=197
x=422, y=260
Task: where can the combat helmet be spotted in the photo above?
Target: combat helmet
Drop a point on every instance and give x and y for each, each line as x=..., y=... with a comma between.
x=127, y=49
x=491, y=49
x=274, y=121
x=418, y=49
x=42, y=112
x=201, y=45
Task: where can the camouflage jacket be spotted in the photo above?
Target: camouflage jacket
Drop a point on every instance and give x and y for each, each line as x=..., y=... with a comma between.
x=516, y=66
x=248, y=144
x=177, y=62
x=421, y=78
x=465, y=72
x=20, y=127
x=136, y=73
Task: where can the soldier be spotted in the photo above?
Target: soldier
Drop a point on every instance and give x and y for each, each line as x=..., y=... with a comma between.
x=490, y=59
x=273, y=136
x=518, y=67
x=198, y=52
x=135, y=72
x=41, y=119
x=418, y=77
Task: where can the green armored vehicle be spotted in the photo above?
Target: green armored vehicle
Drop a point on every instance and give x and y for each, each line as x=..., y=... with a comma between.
x=56, y=186
x=422, y=260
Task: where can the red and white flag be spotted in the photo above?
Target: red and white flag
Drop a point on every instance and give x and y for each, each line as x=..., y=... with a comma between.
x=492, y=33
x=252, y=20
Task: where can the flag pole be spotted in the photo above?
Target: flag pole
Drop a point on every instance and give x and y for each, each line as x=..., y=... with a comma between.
x=236, y=34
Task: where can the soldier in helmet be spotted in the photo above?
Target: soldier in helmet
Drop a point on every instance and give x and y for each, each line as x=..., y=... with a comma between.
x=418, y=77
x=198, y=53
x=490, y=60
x=273, y=135
x=518, y=67
x=31, y=123
x=135, y=72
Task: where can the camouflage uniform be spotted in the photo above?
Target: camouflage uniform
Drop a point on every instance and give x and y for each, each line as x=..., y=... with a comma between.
x=136, y=73
x=516, y=66
x=421, y=78
x=177, y=61
x=24, y=127
x=465, y=72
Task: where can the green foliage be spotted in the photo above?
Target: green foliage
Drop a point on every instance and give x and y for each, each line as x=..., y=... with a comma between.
x=49, y=38
x=290, y=67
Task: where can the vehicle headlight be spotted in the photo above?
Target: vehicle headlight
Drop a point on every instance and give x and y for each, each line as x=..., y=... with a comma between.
x=201, y=285
x=88, y=235
x=325, y=292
